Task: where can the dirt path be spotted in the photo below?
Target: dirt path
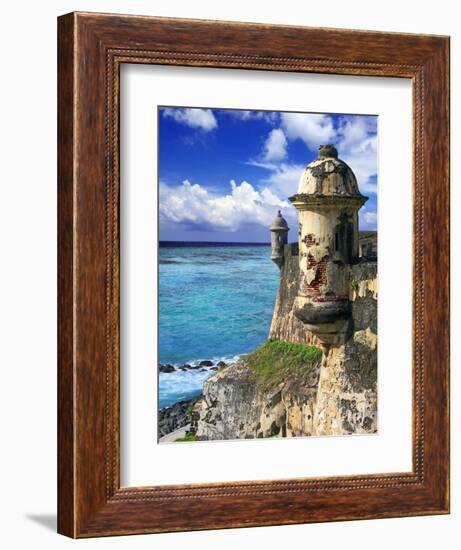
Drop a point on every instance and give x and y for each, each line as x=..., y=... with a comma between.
x=173, y=436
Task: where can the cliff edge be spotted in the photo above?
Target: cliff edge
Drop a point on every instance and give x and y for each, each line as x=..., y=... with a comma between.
x=292, y=385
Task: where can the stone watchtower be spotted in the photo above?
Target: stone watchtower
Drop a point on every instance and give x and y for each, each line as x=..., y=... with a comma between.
x=279, y=238
x=328, y=201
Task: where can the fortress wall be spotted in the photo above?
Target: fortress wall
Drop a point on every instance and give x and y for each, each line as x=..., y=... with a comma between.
x=285, y=326
x=340, y=396
x=346, y=398
x=363, y=295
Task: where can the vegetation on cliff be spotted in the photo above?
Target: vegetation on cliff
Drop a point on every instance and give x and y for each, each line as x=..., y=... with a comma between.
x=188, y=437
x=274, y=361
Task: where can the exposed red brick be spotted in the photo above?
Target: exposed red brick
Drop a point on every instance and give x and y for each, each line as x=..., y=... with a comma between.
x=320, y=274
x=309, y=239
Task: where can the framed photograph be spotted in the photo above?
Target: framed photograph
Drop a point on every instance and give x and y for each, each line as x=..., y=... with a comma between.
x=229, y=197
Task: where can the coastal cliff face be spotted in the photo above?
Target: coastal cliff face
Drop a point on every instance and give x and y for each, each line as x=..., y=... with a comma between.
x=246, y=400
x=332, y=392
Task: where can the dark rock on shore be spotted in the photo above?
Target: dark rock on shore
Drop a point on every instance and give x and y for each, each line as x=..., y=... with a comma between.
x=166, y=368
x=203, y=365
x=175, y=417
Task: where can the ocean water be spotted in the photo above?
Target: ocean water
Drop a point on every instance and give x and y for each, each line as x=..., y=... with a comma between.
x=215, y=302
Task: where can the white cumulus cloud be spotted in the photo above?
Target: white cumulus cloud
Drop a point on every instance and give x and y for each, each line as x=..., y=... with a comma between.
x=357, y=145
x=283, y=178
x=270, y=117
x=314, y=129
x=275, y=147
x=193, y=204
x=354, y=137
x=368, y=219
x=194, y=118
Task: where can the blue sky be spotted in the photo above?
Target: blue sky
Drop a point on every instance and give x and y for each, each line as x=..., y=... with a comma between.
x=223, y=174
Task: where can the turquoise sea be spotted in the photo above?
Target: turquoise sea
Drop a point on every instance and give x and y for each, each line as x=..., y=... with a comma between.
x=215, y=302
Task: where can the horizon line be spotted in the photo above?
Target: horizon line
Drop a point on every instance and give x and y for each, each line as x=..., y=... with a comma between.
x=213, y=242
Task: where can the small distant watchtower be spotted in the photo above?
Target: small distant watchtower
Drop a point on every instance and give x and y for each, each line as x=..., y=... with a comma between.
x=328, y=201
x=279, y=238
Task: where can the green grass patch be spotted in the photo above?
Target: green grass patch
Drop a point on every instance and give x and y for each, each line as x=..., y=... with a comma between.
x=188, y=437
x=275, y=361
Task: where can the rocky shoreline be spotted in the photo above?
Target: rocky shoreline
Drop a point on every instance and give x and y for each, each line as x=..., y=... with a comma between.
x=178, y=415
x=175, y=417
x=201, y=366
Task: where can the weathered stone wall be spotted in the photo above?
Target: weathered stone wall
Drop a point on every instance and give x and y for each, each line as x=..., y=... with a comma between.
x=363, y=295
x=347, y=393
x=346, y=398
x=285, y=325
x=340, y=396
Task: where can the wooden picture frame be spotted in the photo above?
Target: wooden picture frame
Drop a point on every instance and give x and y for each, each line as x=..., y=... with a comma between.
x=92, y=48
